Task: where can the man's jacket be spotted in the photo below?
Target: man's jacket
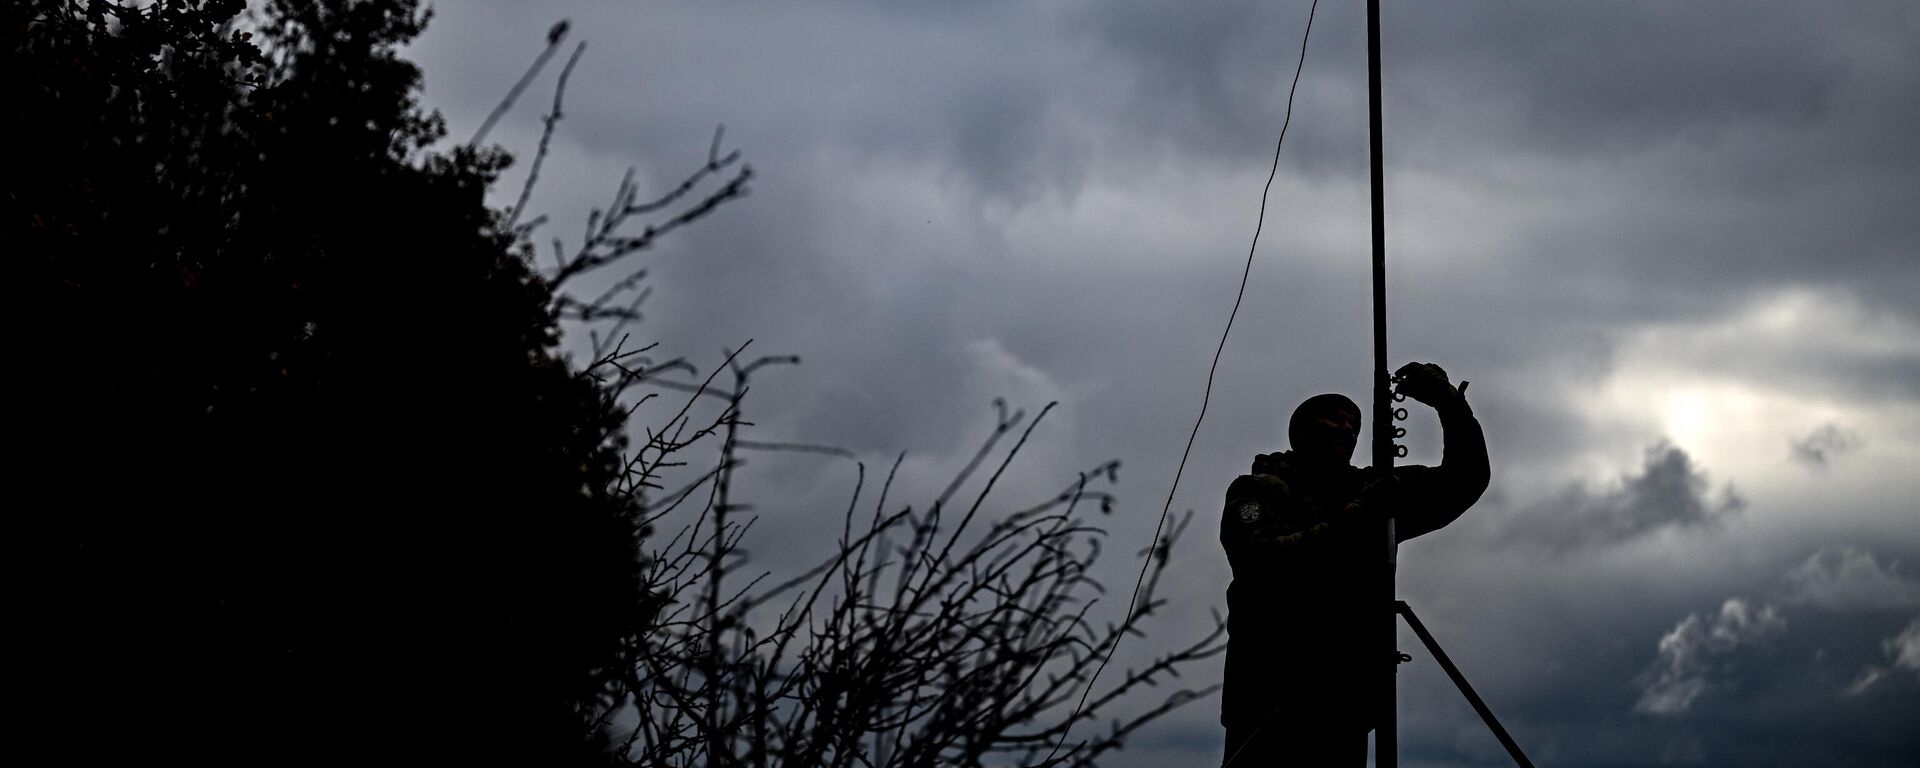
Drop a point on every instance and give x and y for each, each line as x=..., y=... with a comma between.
x=1305, y=613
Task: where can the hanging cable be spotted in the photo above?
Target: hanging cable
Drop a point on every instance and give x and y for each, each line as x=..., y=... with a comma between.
x=1206, y=396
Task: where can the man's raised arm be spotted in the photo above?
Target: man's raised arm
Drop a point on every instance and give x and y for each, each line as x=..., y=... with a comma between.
x=1432, y=497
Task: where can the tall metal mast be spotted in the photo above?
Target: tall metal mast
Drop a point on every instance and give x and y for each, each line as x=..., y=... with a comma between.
x=1386, y=739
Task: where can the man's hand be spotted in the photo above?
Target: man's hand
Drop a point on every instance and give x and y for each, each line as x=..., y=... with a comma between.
x=1377, y=500
x=1426, y=383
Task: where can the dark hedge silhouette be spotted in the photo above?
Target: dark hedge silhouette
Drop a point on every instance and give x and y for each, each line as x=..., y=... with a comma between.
x=303, y=476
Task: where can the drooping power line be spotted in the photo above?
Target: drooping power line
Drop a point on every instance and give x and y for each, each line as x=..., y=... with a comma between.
x=1206, y=396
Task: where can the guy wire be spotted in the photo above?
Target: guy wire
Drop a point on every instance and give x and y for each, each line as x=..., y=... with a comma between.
x=1207, y=395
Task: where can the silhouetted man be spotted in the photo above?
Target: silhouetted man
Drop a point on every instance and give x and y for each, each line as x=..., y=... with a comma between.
x=1306, y=538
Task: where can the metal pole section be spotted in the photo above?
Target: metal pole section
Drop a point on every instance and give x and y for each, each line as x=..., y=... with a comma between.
x=1386, y=738
x=1460, y=681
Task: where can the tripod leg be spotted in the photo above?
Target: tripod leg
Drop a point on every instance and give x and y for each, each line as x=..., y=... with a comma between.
x=1460, y=681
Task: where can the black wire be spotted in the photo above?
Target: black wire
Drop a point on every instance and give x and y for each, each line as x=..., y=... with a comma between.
x=1207, y=396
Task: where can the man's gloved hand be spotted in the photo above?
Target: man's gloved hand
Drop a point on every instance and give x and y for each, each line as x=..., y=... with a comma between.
x=1426, y=383
x=1377, y=499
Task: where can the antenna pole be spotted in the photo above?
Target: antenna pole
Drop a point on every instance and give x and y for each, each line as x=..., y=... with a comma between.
x=1386, y=739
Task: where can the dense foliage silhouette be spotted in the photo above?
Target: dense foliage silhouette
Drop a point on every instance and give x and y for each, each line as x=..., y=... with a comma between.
x=304, y=477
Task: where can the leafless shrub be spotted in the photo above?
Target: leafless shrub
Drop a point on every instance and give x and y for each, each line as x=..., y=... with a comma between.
x=948, y=634
x=929, y=636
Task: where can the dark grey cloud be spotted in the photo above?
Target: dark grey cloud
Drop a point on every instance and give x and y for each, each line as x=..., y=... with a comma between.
x=1613, y=78
x=1788, y=698
x=1759, y=679
x=1754, y=659
x=1902, y=654
x=1691, y=653
x=1668, y=493
x=1603, y=78
x=1849, y=579
x=1823, y=445
x=1691, y=106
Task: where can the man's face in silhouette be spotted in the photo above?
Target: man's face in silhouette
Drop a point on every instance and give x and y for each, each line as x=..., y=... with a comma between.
x=1327, y=434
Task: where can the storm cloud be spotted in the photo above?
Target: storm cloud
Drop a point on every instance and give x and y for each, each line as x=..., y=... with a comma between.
x=1839, y=583
x=1902, y=652
x=1823, y=445
x=1691, y=651
x=1668, y=493
x=1845, y=579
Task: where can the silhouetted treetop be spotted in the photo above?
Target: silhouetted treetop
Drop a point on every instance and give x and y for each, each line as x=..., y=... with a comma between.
x=305, y=476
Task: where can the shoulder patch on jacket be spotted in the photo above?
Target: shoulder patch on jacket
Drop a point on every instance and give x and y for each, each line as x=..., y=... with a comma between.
x=1248, y=512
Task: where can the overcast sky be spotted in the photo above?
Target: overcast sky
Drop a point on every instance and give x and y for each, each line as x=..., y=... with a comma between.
x=1675, y=247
